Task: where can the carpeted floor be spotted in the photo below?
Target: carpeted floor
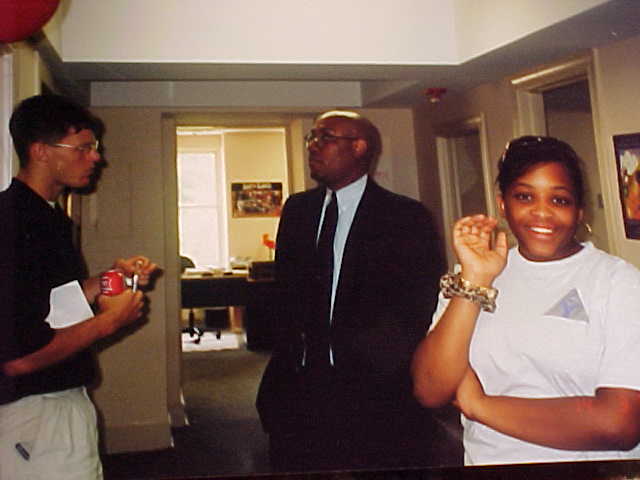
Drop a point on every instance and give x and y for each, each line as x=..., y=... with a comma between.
x=224, y=436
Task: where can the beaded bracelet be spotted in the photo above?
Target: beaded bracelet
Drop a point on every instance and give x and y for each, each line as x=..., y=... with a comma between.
x=453, y=285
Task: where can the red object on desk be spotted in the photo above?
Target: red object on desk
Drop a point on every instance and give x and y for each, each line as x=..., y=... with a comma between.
x=270, y=244
x=267, y=242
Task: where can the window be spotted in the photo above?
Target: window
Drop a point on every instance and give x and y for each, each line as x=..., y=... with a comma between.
x=201, y=209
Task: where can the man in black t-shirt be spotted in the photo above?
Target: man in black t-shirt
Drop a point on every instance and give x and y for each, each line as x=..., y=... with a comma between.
x=47, y=422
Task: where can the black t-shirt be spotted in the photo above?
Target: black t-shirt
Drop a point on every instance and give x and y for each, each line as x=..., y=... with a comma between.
x=36, y=255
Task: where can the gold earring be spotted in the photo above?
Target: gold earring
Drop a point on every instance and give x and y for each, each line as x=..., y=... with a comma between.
x=588, y=228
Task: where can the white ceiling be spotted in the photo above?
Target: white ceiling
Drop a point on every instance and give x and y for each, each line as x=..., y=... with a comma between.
x=389, y=84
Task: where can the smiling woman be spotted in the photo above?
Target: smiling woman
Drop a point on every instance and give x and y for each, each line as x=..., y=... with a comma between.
x=542, y=197
x=560, y=345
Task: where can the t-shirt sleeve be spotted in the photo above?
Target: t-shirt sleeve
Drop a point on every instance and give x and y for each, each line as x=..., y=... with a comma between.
x=621, y=353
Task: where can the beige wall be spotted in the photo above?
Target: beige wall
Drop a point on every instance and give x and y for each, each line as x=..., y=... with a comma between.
x=496, y=102
x=125, y=217
x=27, y=74
x=616, y=88
x=253, y=156
x=198, y=143
x=576, y=128
x=397, y=169
x=617, y=75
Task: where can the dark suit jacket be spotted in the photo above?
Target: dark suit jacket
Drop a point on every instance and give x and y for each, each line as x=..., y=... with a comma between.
x=386, y=294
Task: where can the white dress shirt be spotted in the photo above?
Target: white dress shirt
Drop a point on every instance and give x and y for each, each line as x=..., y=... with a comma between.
x=348, y=200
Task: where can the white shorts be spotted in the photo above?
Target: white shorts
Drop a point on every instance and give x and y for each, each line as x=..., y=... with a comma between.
x=50, y=436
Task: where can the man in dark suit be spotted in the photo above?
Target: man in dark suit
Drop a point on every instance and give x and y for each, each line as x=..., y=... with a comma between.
x=337, y=392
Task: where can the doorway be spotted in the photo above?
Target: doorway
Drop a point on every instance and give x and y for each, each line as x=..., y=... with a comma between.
x=220, y=373
x=558, y=101
x=569, y=117
x=465, y=180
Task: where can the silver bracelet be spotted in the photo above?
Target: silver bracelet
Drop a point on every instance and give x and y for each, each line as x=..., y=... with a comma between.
x=453, y=285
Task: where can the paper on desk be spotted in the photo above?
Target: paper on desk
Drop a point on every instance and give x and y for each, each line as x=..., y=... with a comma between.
x=68, y=306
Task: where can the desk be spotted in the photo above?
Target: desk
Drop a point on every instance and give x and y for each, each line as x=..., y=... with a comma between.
x=236, y=290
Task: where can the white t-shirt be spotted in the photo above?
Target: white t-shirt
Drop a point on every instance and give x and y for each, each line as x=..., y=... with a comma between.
x=561, y=328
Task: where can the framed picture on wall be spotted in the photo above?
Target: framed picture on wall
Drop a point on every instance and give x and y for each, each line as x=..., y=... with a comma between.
x=256, y=199
x=627, y=149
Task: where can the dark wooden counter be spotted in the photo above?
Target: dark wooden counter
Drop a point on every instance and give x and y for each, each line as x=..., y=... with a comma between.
x=259, y=298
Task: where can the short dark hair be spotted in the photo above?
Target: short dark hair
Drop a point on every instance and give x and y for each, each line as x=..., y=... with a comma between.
x=47, y=118
x=523, y=153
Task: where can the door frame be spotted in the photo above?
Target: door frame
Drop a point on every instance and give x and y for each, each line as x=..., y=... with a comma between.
x=6, y=106
x=530, y=116
x=449, y=184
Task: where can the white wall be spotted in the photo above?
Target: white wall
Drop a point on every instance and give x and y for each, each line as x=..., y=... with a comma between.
x=247, y=31
x=225, y=94
x=616, y=88
x=617, y=80
x=495, y=23
x=328, y=32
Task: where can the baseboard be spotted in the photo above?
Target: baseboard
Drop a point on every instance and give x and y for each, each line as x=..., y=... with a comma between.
x=177, y=414
x=137, y=438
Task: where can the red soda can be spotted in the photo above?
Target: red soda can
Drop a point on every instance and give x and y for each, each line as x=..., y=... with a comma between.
x=112, y=282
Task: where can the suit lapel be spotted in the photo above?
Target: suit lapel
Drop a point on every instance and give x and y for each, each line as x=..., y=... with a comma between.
x=316, y=203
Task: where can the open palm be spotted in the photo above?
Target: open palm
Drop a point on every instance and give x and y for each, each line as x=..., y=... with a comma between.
x=481, y=261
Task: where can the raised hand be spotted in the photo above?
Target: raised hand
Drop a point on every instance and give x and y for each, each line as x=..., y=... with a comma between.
x=480, y=260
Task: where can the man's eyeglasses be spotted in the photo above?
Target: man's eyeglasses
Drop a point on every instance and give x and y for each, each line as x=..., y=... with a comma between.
x=84, y=148
x=322, y=137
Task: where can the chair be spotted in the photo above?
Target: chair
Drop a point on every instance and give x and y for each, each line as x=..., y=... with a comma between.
x=192, y=329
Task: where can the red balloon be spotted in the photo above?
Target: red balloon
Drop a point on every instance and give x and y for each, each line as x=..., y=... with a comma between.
x=21, y=18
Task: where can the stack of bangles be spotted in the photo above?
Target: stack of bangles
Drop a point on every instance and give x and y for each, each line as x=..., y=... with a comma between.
x=453, y=285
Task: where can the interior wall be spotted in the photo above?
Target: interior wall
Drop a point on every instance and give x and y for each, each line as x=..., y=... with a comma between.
x=397, y=168
x=198, y=143
x=427, y=165
x=615, y=82
x=498, y=104
x=123, y=218
x=253, y=156
x=616, y=90
x=27, y=73
x=576, y=128
x=299, y=179
x=159, y=30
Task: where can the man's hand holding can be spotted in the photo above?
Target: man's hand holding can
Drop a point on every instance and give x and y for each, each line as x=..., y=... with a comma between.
x=119, y=310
